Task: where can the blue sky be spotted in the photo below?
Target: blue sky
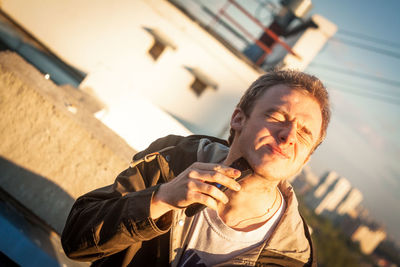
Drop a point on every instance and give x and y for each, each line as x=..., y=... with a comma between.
x=363, y=142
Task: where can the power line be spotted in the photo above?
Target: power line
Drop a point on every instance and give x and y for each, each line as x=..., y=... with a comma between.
x=383, y=91
x=375, y=93
x=366, y=47
x=355, y=73
x=368, y=38
x=367, y=95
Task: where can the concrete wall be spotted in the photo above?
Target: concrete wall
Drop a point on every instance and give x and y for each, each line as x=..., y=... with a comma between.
x=52, y=150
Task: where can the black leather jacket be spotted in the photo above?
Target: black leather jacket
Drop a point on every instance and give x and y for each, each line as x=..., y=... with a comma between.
x=111, y=226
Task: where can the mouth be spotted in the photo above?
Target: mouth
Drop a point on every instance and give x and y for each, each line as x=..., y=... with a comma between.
x=277, y=151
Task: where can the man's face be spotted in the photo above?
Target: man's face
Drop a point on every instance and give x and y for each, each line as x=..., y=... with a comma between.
x=279, y=133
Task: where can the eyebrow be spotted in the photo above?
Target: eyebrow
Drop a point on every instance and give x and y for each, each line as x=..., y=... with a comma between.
x=304, y=128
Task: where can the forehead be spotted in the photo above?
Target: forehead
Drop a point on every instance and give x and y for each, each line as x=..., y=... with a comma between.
x=297, y=103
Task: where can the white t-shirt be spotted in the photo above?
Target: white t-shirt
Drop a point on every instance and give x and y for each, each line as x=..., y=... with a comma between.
x=212, y=241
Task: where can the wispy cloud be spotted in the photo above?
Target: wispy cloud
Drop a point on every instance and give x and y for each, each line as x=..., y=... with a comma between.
x=371, y=136
x=355, y=119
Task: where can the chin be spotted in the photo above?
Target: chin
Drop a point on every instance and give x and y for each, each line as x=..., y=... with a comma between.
x=275, y=172
x=269, y=173
x=273, y=168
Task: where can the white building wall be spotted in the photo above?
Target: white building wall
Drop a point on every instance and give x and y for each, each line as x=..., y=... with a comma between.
x=107, y=40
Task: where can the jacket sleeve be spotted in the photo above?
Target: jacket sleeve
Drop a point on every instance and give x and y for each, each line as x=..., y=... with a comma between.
x=110, y=219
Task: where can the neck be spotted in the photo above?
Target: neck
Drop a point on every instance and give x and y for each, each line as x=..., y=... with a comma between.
x=256, y=192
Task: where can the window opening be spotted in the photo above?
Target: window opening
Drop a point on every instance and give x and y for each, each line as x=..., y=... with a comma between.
x=201, y=81
x=160, y=43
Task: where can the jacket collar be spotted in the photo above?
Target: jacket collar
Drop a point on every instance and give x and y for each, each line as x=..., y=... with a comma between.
x=295, y=245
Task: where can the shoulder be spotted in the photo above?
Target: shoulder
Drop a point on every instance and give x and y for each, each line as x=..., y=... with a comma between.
x=176, y=152
x=190, y=142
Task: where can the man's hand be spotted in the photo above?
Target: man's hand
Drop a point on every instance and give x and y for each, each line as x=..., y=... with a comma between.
x=190, y=187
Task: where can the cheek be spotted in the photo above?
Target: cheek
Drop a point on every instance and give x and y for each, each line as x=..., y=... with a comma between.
x=262, y=134
x=302, y=153
x=263, y=129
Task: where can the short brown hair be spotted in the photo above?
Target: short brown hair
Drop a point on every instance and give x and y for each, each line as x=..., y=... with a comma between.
x=295, y=80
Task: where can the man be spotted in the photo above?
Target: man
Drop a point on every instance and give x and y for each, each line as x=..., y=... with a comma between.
x=140, y=219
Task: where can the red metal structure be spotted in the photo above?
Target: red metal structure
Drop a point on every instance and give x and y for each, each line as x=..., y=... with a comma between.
x=264, y=47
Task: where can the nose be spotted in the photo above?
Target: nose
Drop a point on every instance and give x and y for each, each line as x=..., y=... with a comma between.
x=287, y=135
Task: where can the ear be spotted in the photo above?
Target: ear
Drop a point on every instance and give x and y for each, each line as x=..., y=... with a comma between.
x=237, y=120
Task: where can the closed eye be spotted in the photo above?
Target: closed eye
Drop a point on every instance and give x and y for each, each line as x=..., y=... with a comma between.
x=305, y=134
x=275, y=116
x=303, y=138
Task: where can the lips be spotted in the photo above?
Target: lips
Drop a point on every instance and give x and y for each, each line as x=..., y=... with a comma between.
x=278, y=151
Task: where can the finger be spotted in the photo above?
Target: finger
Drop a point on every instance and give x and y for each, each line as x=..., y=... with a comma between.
x=210, y=190
x=214, y=177
x=201, y=198
x=228, y=171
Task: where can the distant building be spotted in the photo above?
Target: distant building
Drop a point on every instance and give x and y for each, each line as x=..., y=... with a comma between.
x=322, y=189
x=335, y=196
x=368, y=238
x=304, y=181
x=309, y=176
x=350, y=203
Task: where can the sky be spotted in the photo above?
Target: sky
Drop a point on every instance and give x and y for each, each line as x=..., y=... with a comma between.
x=360, y=68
